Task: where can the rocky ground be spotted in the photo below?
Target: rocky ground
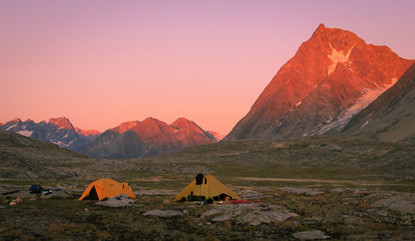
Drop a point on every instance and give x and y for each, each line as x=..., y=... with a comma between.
x=278, y=213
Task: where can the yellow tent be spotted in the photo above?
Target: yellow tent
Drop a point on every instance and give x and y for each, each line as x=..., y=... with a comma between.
x=207, y=186
x=106, y=188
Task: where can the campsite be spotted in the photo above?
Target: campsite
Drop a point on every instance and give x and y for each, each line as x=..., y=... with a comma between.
x=339, y=193
x=283, y=213
x=207, y=120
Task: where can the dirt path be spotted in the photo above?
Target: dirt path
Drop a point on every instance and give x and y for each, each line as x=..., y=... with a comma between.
x=350, y=182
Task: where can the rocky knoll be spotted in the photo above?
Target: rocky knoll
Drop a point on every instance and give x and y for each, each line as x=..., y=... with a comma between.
x=333, y=76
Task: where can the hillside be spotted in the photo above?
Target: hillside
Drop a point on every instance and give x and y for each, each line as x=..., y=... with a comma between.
x=26, y=158
x=391, y=117
x=253, y=157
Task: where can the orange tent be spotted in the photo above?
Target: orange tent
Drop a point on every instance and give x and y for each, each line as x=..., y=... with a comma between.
x=106, y=188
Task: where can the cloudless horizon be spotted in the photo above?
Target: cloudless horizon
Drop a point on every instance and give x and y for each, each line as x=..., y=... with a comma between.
x=101, y=63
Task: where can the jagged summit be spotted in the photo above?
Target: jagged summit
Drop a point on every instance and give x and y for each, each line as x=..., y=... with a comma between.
x=330, y=73
x=62, y=123
x=184, y=123
x=125, y=126
x=87, y=132
x=15, y=120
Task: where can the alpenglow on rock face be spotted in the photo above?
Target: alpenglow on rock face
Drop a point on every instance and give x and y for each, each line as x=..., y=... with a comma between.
x=333, y=76
x=135, y=139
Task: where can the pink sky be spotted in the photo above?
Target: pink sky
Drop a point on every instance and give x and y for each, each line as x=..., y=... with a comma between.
x=101, y=63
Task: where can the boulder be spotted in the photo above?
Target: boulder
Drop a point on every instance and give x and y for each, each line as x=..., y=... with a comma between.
x=163, y=213
x=211, y=212
x=116, y=202
x=256, y=218
x=251, y=214
x=251, y=194
x=404, y=203
x=222, y=218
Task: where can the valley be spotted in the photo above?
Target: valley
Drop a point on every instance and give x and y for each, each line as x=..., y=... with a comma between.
x=328, y=187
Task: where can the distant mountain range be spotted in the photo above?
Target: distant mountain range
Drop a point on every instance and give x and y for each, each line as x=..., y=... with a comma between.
x=333, y=76
x=132, y=139
x=59, y=131
x=217, y=136
x=150, y=137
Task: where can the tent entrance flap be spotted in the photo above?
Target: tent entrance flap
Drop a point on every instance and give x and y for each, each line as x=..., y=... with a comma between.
x=199, y=179
x=92, y=194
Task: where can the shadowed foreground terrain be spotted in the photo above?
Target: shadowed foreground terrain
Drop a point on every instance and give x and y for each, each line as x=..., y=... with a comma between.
x=286, y=213
x=325, y=187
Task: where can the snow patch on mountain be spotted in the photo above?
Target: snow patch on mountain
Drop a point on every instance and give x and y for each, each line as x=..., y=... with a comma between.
x=338, y=57
x=61, y=144
x=367, y=122
x=25, y=133
x=11, y=127
x=369, y=95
